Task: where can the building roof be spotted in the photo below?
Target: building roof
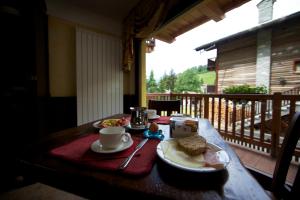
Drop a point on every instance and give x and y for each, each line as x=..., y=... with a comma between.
x=184, y=18
x=273, y=23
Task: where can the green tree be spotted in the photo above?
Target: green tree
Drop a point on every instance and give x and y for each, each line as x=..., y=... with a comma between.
x=162, y=83
x=202, y=69
x=151, y=83
x=188, y=81
x=167, y=82
x=172, y=80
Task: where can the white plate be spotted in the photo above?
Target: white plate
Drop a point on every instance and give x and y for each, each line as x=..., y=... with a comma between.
x=154, y=117
x=220, y=153
x=97, y=147
x=96, y=124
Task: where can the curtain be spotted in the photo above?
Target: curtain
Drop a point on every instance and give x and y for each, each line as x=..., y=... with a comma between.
x=142, y=21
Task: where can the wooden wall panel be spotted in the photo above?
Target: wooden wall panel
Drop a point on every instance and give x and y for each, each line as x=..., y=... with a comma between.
x=237, y=62
x=99, y=76
x=285, y=50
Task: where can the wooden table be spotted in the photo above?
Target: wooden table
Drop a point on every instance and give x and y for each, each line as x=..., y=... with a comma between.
x=164, y=181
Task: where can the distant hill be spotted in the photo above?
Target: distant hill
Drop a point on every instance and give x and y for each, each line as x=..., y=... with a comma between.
x=208, y=77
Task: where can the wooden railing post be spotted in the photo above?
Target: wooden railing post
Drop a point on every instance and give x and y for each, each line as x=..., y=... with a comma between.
x=276, y=123
x=206, y=106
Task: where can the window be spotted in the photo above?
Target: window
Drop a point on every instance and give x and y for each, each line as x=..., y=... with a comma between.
x=297, y=66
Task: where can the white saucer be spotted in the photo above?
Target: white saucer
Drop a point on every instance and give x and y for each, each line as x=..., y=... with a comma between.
x=97, y=147
x=136, y=128
x=154, y=117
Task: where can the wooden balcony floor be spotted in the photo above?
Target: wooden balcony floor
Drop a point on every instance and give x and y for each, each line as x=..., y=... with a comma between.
x=261, y=161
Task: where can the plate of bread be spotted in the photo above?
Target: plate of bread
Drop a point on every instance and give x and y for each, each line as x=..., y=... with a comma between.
x=193, y=153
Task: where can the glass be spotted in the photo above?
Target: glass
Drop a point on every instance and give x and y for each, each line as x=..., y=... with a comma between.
x=139, y=117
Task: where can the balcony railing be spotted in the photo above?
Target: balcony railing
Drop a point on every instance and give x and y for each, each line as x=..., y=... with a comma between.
x=256, y=121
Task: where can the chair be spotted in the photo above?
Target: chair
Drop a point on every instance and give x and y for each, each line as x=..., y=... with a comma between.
x=276, y=185
x=164, y=105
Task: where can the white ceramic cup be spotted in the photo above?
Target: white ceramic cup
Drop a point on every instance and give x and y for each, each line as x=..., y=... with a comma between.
x=112, y=137
x=151, y=113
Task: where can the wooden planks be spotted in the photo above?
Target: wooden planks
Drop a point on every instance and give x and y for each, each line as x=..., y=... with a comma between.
x=237, y=62
x=262, y=162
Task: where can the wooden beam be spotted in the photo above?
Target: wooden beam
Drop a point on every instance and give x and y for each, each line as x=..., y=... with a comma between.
x=194, y=16
x=212, y=10
x=179, y=29
x=163, y=36
x=191, y=25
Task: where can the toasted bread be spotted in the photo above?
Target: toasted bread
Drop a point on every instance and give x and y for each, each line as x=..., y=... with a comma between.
x=192, y=145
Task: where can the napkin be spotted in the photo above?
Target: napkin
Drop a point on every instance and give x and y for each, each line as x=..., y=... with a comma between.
x=162, y=120
x=79, y=152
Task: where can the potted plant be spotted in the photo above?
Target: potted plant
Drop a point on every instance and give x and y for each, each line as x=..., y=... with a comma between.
x=245, y=89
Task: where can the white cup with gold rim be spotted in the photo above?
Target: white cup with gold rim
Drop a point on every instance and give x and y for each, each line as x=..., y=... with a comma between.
x=113, y=137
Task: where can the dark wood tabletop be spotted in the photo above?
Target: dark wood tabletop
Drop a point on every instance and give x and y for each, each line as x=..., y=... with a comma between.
x=163, y=182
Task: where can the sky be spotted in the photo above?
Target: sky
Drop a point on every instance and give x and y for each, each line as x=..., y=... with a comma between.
x=181, y=54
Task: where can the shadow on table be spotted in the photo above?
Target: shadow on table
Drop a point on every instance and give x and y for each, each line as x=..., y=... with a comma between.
x=193, y=180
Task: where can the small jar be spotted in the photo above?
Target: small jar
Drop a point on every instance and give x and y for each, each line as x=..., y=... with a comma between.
x=183, y=127
x=138, y=117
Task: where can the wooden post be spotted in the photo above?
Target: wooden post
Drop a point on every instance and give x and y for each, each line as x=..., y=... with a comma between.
x=276, y=123
x=206, y=106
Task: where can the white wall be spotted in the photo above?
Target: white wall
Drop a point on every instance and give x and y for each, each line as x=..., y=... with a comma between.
x=65, y=10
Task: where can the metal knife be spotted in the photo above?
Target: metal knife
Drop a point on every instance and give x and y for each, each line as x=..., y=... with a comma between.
x=124, y=164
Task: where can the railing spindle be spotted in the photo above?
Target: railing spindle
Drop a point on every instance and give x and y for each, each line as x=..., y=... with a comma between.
x=252, y=119
x=191, y=100
x=213, y=111
x=200, y=108
x=292, y=109
x=206, y=107
x=186, y=100
x=276, y=123
x=262, y=120
x=243, y=121
x=219, y=114
x=233, y=117
x=181, y=98
x=196, y=106
x=226, y=116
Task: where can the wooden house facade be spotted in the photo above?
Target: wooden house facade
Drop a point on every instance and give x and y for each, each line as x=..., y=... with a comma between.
x=237, y=55
x=285, y=56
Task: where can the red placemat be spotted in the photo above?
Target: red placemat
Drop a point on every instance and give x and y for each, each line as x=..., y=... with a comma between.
x=162, y=120
x=79, y=152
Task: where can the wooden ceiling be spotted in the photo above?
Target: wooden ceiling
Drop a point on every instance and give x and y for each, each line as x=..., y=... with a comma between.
x=199, y=13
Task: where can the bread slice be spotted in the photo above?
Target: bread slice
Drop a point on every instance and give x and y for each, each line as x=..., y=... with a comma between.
x=192, y=145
